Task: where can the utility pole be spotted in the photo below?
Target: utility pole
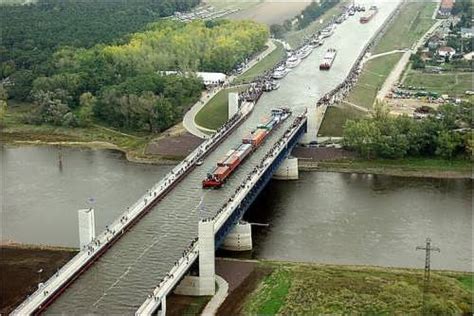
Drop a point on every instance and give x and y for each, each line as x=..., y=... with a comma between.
x=426, y=280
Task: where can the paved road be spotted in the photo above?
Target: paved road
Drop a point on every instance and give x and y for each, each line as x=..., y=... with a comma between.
x=189, y=122
x=396, y=72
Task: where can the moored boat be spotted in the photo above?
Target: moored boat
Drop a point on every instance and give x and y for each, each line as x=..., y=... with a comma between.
x=328, y=59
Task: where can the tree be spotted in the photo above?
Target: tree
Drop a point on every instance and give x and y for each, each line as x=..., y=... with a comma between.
x=3, y=105
x=447, y=144
x=87, y=103
x=362, y=136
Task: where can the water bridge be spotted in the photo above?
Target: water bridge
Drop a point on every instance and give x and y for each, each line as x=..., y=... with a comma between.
x=154, y=245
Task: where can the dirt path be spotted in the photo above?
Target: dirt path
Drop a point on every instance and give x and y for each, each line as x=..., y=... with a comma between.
x=271, y=12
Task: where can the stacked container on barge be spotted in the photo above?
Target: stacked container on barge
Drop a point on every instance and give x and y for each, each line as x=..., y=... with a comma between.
x=234, y=157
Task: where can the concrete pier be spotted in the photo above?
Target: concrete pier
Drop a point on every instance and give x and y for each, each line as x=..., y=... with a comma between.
x=312, y=127
x=239, y=239
x=205, y=283
x=86, y=226
x=288, y=170
x=233, y=104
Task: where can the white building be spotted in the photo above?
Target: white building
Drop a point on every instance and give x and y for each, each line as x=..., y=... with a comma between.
x=208, y=78
x=446, y=51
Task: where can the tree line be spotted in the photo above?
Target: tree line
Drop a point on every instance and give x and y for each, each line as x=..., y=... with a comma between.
x=31, y=33
x=446, y=133
x=123, y=85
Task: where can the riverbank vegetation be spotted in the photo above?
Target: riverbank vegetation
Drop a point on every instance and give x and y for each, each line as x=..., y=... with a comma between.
x=120, y=85
x=444, y=133
x=326, y=289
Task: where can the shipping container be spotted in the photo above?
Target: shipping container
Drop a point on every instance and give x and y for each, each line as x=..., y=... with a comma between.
x=232, y=161
x=221, y=173
x=221, y=162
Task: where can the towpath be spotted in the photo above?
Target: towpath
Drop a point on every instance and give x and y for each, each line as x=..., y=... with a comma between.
x=189, y=122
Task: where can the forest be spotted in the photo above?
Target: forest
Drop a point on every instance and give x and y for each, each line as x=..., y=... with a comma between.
x=32, y=33
x=444, y=133
x=121, y=84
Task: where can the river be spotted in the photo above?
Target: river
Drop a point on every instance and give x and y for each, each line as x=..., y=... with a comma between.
x=322, y=217
x=120, y=280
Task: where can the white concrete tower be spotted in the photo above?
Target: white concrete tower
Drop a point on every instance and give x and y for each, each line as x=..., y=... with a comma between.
x=205, y=283
x=86, y=226
x=233, y=103
x=312, y=126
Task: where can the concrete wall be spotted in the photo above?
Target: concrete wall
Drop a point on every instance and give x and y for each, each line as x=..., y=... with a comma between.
x=233, y=103
x=239, y=239
x=313, y=126
x=86, y=226
x=288, y=170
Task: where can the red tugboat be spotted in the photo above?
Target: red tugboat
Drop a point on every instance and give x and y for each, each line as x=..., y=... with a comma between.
x=328, y=59
x=369, y=15
x=234, y=157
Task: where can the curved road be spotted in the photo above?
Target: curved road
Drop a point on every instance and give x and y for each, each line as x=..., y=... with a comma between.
x=189, y=122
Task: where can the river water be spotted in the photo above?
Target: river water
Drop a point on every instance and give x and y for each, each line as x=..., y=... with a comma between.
x=120, y=280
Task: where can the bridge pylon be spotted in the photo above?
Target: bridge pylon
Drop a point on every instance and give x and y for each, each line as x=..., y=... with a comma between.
x=239, y=238
x=312, y=127
x=288, y=170
x=205, y=283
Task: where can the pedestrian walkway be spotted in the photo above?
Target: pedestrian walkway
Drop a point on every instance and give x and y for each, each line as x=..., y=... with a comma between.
x=218, y=298
x=189, y=122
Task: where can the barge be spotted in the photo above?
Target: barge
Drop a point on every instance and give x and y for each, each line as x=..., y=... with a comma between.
x=235, y=157
x=328, y=59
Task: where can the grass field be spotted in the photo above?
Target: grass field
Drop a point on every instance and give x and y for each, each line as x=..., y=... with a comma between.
x=409, y=26
x=296, y=38
x=305, y=289
x=453, y=84
x=335, y=118
x=264, y=65
x=371, y=80
x=215, y=112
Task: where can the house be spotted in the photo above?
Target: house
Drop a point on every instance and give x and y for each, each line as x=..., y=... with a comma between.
x=436, y=41
x=445, y=8
x=467, y=32
x=446, y=51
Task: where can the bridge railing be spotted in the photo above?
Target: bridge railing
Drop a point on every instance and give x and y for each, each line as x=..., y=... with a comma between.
x=49, y=288
x=177, y=272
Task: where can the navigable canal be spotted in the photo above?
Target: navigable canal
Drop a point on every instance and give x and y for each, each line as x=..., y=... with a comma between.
x=322, y=217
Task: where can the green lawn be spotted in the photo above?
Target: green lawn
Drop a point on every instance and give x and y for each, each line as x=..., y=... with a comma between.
x=409, y=26
x=371, y=80
x=336, y=117
x=296, y=38
x=215, y=112
x=452, y=83
x=306, y=289
x=264, y=65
